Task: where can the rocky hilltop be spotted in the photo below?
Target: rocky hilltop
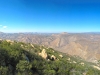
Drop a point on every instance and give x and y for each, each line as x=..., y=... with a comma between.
x=85, y=45
x=18, y=58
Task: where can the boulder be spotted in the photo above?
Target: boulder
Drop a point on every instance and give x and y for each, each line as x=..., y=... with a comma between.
x=61, y=56
x=43, y=54
x=53, y=57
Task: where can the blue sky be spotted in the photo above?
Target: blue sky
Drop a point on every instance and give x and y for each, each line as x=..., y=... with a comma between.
x=50, y=15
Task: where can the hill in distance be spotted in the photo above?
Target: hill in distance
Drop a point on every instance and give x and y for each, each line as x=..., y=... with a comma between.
x=85, y=45
x=18, y=58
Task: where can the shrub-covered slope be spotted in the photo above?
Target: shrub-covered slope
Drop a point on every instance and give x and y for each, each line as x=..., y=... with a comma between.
x=17, y=58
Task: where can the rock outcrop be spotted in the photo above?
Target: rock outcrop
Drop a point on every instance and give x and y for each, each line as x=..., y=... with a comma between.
x=61, y=56
x=85, y=45
x=53, y=57
x=43, y=54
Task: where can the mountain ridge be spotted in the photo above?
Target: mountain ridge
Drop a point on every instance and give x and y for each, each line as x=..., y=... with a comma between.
x=18, y=58
x=85, y=45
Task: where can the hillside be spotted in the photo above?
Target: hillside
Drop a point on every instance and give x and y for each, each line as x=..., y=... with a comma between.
x=18, y=58
x=85, y=45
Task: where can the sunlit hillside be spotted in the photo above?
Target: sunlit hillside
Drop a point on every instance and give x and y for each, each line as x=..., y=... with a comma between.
x=18, y=58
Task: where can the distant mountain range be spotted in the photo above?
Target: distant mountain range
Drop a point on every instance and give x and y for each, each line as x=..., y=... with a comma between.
x=85, y=45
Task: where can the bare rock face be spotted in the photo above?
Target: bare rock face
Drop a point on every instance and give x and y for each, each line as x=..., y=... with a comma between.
x=10, y=41
x=32, y=45
x=43, y=54
x=61, y=56
x=53, y=57
x=0, y=39
x=85, y=45
x=96, y=67
x=82, y=63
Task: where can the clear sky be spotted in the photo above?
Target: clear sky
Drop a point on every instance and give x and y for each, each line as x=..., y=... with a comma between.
x=50, y=15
